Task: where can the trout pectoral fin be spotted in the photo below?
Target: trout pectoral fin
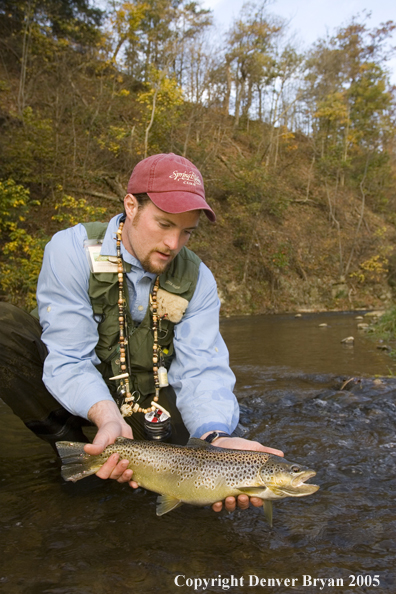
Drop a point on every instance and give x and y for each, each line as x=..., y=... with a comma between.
x=165, y=504
x=253, y=491
x=267, y=503
x=267, y=507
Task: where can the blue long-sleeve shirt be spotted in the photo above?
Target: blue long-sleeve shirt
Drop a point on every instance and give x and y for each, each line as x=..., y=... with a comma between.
x=200, y=373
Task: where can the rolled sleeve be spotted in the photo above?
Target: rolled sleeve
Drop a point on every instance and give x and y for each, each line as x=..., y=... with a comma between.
x=69, y=329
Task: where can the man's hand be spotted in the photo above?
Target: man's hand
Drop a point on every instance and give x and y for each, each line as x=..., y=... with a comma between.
x=238, y=443
x=106, y=416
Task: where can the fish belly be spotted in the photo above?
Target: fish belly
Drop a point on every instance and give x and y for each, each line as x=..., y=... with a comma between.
x=188, y=490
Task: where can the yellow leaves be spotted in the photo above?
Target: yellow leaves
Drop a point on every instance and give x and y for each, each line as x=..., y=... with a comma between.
x=372, y=270
x=333, y=108
x=127, y=17
x=14, y=199
x=20, y=270
x=19, y=241
x=113, y=139
x=72, y=211
x=287, y=138
x=23, y=253
x=375, y=264
x=5, y=85
x=117, y=132
x=167, y=91
x=381, y=232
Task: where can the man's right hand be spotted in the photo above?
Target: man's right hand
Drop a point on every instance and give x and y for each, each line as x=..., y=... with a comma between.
x=106, y=416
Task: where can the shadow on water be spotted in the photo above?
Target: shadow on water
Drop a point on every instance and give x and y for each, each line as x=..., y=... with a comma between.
x=96, y=537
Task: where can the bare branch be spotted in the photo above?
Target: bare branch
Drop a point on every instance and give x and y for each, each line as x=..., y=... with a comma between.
x=95, y=194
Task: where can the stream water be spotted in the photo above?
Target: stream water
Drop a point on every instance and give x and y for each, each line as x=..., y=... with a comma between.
x=325, y=404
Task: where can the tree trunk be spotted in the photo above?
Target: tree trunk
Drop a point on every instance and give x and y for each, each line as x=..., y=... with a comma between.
x=226, y=105
x=24, y=59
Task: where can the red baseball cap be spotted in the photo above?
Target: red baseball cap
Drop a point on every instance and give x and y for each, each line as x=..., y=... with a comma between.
x=172, y=182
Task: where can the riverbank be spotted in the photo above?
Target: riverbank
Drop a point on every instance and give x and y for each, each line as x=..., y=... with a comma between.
x=300, y=262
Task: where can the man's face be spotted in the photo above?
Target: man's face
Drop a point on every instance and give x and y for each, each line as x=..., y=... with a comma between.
x=153, y=236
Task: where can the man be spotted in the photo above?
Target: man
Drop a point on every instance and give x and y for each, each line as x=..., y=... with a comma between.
x=98, y=295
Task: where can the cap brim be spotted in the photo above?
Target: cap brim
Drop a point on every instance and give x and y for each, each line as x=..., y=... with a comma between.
x=177, y=202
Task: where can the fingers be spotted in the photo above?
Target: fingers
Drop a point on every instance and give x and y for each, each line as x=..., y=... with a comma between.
x=273, y=451
x=94, y=449
x=230, y=503
x=243, y=501
x=239, y=443
x=113, y=468
x=118, y=470
x=256, y=502
x=106, y=435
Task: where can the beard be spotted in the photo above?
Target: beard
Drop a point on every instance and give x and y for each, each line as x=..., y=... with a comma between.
x=145, y=259
x=159, y=268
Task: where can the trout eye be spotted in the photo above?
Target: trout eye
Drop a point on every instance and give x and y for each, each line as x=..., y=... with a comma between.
x=295, y=468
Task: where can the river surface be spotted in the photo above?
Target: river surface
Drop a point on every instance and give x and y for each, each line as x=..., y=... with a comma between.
x=323, y=403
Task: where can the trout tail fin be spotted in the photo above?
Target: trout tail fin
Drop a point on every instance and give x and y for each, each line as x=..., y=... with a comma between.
x=76, y=463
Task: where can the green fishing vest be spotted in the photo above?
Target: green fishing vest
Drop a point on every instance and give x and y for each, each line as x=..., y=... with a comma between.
x=180, y=279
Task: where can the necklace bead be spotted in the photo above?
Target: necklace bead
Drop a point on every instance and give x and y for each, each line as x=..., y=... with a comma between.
x=129, y=405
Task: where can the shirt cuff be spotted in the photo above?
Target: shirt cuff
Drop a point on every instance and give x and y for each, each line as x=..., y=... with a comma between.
x=213, y=426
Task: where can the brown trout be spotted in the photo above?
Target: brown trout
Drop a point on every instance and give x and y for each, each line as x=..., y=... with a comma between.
x=198, y=473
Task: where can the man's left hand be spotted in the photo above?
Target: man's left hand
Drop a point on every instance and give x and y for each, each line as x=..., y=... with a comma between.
x=239, y=443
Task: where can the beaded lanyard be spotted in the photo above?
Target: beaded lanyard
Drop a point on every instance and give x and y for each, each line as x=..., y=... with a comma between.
x=130, y=406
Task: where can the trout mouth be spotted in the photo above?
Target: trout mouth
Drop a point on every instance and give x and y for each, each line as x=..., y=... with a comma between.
x=297, y=487
x=299, y=484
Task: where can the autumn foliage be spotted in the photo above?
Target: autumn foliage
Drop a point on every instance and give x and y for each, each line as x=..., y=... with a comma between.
x=297, y=149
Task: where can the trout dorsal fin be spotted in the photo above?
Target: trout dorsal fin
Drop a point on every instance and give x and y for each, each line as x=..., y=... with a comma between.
x=200, y=443
x=165, y=504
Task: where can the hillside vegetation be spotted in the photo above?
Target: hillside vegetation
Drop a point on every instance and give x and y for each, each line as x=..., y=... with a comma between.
x=297, y=150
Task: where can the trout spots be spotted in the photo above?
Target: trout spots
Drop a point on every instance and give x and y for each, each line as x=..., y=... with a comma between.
x=204, y=482
x=194, y=473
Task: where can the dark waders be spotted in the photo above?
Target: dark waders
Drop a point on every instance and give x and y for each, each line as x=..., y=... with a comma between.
x=22, y=355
